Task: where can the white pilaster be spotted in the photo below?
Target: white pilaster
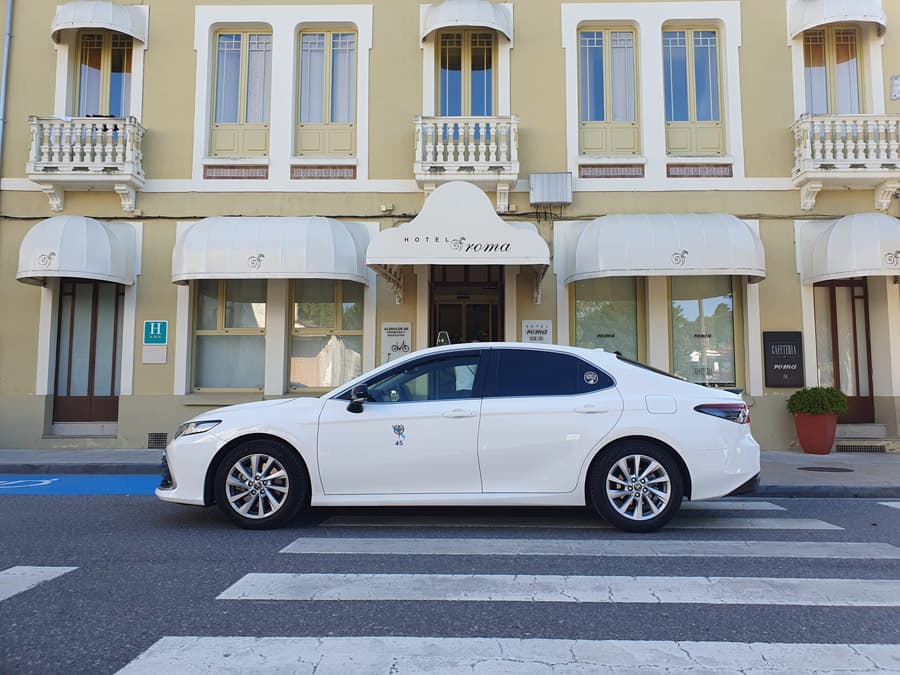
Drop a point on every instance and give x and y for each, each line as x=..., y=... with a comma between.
x=510, y=303
x=658, y=322
x=423, y=281
x=277, y=291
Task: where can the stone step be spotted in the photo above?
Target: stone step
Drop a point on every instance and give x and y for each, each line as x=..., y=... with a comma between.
x=871, y=431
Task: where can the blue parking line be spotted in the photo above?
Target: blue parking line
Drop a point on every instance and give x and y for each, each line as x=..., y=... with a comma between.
x=78, y=484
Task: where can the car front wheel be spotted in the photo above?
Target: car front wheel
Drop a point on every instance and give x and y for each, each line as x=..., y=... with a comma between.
x=261, y=484
x=636, y=486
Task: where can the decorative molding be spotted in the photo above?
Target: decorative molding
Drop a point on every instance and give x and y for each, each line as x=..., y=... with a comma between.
x=684, y=170
x=127, y=196
x=610, y=170
x=808, y=194
x=885, y=193
x=56, y=196
x=236, y=171
x=323, y=172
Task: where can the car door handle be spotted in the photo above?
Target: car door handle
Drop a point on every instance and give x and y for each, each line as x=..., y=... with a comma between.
x=590, y=409
x=458, y=412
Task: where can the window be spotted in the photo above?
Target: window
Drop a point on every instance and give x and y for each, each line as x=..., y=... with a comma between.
x=692, y=92
x=326, y=333
x=532, y=372
x=466, y=74
x=327, y=94
x=104, y=74
x=229, y=334
x=607, y=92
x=442, y=379
x=831, y=71
x=242, y=87
x=703, y=330
x=606, y=315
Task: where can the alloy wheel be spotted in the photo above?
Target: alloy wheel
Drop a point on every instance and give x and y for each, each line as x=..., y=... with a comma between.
x=257, y=486
x=638, y=487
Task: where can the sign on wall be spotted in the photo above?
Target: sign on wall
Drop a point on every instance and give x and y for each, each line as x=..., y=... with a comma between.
x=396, y=339
x=783, y=358
x=156, y=332
x=537, y=330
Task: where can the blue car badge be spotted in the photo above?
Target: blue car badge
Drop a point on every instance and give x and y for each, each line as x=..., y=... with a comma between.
x=399, y=429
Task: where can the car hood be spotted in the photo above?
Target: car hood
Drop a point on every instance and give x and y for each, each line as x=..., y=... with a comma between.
x=240, y=409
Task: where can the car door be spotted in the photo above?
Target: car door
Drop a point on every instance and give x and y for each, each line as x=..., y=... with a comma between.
x=543, y=413
x=417, y=434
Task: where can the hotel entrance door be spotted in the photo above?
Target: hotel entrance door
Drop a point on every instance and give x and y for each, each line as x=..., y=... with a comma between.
x=467, y=303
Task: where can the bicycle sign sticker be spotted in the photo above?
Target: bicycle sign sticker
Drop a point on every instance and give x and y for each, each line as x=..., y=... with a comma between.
x=396, y=340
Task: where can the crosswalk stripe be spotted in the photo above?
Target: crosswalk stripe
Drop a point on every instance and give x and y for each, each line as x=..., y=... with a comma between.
x=554, y=588
x=724, y=505
x=340, y=655
x=893, y=505
x=592, y=547
x=15, y=580
x=682, y=523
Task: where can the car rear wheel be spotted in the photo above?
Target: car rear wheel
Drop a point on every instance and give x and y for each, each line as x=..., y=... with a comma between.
x=261, y=484
x=636, y=486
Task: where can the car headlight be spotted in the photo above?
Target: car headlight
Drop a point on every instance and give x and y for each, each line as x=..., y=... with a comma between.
x=189, y=428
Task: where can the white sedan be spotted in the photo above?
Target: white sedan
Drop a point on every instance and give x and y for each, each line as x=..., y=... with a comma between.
x=482, y=424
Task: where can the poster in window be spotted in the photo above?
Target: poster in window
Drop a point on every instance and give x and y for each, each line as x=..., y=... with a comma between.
x=396, y=340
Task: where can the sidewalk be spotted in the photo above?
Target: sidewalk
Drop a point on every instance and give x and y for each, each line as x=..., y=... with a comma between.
x=784, y=473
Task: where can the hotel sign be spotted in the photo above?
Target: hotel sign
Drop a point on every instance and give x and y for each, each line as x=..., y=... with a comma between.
x=783, y=358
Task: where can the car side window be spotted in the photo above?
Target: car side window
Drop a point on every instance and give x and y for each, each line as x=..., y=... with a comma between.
x=442, y=379
x=528, y=372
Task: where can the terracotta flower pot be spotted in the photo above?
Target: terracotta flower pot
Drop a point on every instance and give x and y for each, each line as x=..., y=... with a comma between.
x=815, y=432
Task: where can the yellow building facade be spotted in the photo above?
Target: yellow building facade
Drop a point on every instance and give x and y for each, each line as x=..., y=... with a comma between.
x=209, y=203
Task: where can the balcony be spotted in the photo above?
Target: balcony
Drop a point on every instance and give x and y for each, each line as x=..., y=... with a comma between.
x=855, y=152
x=479, y=150
x=86, y=153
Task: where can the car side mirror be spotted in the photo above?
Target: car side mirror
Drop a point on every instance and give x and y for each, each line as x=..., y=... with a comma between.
x=358, y=395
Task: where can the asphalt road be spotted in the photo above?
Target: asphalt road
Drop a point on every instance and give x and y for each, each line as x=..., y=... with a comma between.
x=802, y=572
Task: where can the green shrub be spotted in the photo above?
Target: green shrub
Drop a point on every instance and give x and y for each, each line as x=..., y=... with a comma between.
x=817, y=401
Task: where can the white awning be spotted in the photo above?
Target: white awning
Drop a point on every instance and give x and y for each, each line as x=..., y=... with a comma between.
x=270, y=248
x=806, y=14
x=128, y=19
x=692, y=244
x=859, y=245
x=457, y=226
x=78, y=247
x=467, y=14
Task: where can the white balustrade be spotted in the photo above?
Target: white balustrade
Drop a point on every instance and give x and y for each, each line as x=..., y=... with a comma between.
x=86, y=145
x=846, y=142
x=467, y=144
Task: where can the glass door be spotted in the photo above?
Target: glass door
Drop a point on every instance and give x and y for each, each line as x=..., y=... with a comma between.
x=842, y=345
x=88, y=352
x=466, y=302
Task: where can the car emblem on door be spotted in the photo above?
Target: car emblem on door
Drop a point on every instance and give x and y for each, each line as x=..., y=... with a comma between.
x=399, y=429
x=591, y=377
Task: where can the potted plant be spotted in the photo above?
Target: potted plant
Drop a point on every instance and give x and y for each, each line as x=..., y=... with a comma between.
x=815, y=411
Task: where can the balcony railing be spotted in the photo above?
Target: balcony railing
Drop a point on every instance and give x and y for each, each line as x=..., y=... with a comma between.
x=86, y=153
x=847, y=151
x=482, y=150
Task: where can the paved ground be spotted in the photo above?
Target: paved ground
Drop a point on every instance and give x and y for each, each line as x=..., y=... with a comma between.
x=784, y=473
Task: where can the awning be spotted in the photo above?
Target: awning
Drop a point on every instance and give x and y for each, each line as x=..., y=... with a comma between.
x=78, y=247
x=457, y=226
x=859, y=245
x=692, y=244
x=806, y=14
x=128, y=19
x=467, y=14
x=270, y=248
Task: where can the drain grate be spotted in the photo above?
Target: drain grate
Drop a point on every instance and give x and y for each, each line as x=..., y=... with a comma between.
x=825, y=469
x=157, y=440
x=859, y=447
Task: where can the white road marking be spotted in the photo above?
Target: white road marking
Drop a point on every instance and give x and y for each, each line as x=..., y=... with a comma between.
x=592, y=547
x=553, y=588
x=691, y=523
x=893, y=505
x=724, y=505
x=402, y=655
x=15, y=580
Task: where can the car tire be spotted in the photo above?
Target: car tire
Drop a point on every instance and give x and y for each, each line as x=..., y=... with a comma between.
x=261, y=484
x=636, y=486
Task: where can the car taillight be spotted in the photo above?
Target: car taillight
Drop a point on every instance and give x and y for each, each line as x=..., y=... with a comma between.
x=738, y=413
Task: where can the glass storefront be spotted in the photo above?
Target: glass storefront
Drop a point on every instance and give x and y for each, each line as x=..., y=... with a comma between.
x=606, y=315
x=702, y=316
